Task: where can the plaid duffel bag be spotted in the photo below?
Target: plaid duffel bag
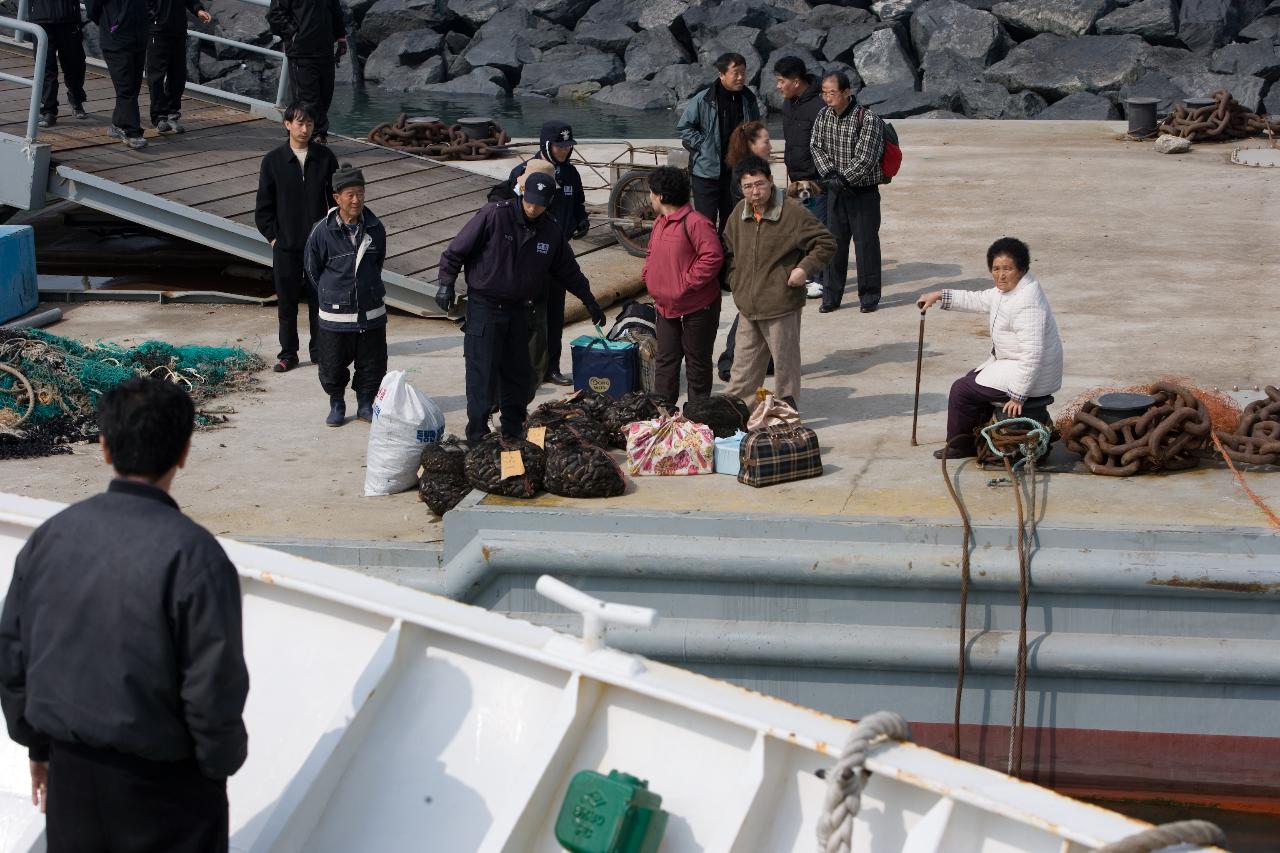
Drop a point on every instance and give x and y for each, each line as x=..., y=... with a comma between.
x=779, y=454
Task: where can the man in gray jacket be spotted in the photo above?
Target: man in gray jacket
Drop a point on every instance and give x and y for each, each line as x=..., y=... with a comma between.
x=705, y=126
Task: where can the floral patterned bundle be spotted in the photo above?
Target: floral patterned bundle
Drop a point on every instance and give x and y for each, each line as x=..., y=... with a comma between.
x=670, y=445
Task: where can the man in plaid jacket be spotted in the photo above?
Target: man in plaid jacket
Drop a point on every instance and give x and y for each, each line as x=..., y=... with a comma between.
x=847, y=144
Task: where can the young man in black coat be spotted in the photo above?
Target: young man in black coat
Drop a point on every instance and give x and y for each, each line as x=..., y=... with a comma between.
x=167, y=60
x=121, y=658
x=294, y=193
x=61, y=22
x=315, y=40
x=124, y=28
x=801, y=102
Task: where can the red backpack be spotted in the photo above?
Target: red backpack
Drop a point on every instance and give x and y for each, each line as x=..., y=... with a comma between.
x=891, y=157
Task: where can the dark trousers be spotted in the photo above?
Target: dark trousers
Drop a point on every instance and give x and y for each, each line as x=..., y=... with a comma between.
x=367, y=350
x=713, y=198
x=311, y=79
x=817, y=205
x=691, y=338
x=292, y=286
x=66, y=48
x=555, y=326
x=854, y=216
x=495, y=347
x=166, y=74
x=126, y=68
x=106, y=802
x=969, y=405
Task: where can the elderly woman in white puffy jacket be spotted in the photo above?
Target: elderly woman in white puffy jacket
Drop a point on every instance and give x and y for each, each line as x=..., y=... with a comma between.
x=1026, y=352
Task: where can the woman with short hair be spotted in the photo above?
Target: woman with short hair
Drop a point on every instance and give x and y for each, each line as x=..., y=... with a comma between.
x=1026, y=351
x=681, y=272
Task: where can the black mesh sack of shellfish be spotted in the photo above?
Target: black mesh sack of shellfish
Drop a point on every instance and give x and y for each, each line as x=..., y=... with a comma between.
x=448, y=456
x=724, y=413
x=577, y=469
x=484, y=467
x=595, y=405
x=565, y=424
x=441, y=492
x=630, y=407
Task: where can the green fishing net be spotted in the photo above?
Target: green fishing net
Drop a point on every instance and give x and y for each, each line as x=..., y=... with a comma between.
x=49, y=385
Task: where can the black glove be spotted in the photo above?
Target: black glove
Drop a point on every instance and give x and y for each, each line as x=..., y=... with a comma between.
x=445, y=297
x=833, y=183
x=581, y=231
x=596, y=312
x=339, y=51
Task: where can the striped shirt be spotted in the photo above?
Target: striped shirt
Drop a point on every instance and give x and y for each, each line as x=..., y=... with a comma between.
x=838, y=146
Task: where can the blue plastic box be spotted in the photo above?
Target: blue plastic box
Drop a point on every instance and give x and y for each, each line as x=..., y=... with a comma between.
x=728, y=459
x=18, y=293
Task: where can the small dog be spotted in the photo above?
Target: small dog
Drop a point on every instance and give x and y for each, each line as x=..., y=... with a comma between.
x=804, y=190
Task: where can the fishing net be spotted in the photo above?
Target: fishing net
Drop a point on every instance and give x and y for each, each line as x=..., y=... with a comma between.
x=50, y=386
x=1224, y=412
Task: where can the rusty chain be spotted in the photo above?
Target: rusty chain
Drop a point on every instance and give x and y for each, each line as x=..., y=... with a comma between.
x=1223, y=119
x=434, y=139
x=1256, y=438
x=1166, y=437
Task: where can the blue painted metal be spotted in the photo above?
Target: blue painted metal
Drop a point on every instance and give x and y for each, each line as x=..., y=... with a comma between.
x=18, y=293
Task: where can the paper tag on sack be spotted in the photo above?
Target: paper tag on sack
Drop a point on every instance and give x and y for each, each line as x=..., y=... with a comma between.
x=512, y=464
x=537, y=435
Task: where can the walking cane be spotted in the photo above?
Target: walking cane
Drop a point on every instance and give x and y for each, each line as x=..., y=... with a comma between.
x=915, y=410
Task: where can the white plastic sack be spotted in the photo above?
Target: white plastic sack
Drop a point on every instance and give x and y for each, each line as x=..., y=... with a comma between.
x=404, y=419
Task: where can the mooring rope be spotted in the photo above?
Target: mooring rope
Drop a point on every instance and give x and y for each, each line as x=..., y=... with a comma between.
x=1167, y=835
x=845, y=780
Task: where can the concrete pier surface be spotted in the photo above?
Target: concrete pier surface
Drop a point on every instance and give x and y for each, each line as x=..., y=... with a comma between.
x=1155, y=266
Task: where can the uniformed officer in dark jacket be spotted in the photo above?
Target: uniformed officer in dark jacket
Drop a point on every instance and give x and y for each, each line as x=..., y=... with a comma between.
x=343, y=258
x=294, y=193
x=124, y=28
x=511, y=252
x=61, y=22
x=167, y=60
x=315, y=40
x=121, y=660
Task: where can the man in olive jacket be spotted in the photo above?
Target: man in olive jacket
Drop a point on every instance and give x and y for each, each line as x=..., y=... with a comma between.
x=773, y=246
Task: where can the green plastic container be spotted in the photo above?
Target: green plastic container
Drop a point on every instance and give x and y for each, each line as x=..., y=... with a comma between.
x=610, y=814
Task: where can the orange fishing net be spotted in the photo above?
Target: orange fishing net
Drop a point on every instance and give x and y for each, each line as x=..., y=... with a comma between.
x=1224, y=411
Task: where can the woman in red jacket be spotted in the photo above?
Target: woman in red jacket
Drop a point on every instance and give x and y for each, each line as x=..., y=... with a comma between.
x=682, y=274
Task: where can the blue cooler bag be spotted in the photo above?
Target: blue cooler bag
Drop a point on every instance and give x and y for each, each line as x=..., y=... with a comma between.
x=604, y=366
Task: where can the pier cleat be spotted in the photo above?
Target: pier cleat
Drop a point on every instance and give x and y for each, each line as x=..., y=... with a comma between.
x=337, y=412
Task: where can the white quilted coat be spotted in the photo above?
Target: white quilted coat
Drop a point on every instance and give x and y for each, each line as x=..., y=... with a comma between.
x=1026, y=352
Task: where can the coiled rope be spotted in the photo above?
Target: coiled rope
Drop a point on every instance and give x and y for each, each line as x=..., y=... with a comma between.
x=845, y=780
x=1167, y=835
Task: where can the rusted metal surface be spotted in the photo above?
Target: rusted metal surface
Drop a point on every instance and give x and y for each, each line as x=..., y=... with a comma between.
x=435, y=139
x=1223, y=119
x=1256, y=438
x=1167, y=437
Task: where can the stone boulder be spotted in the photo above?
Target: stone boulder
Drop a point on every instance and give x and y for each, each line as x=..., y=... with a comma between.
x=1206, y=24
x=252, y=80
x=1263, y=29
x=386, y=18
x=939, y=66
x=741, y=40
x=398, y=50
x=1154, y=20
x=953, y=26
x=611, y=37
x=880, y=60
x=684, y=80
x=565, y=13
x=614, y=11
x=1081, y=106
x=477, y=12
x=898, y=101
x=1055, y=67
x=660, y=14
x=993, y=101
x=942, y=114
x=651, y=51
x=828, y=15
x=1258, y=59
x=1154, y=84
x=479, y=81
x=209, y=67
x=757, y=14
x=797, y=32
x=1170, y=144
x=1245, y=89
x=841, y=40
x=418, y=78
x=546, y=35
x=568, y=64
x=1175, y=60
x=1271, y=104
x=895, y=10
x=237, y=21
x=1065, y=18
x=503, y=42
x=636, y=95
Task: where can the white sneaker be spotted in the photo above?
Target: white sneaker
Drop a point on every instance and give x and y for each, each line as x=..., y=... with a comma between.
x=813, y=290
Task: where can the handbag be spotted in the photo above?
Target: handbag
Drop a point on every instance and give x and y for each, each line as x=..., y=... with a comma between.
x=669, y=445
x=604, y=366
x=772, y=412
x=779, y=454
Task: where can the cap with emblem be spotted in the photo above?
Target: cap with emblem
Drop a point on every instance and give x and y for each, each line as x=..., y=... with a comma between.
x=539, y=189
x=347, y=176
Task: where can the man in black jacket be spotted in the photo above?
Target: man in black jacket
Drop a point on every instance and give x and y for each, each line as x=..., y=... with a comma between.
x=801, y=101
x=293, y=195
x=511, y=253
x=167, y=60
x=315, y=40
x=121, y=660
x=61, y=22
x=343, y=258
x=124, y=27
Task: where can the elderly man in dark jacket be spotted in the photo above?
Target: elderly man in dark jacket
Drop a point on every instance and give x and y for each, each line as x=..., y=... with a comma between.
x=511, y=252
x=61, y=22
x=124, y=27
x=121, y=660
x=801, y=102
x=343, y=259
x=314, y=37
x=167, y=60
x=294, y=193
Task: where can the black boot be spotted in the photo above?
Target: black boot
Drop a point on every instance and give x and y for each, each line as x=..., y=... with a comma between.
x=337, y=412
x=364, y=409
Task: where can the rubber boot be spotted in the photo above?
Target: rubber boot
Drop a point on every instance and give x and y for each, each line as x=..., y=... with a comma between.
x=337, y=412
x=364, y=409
